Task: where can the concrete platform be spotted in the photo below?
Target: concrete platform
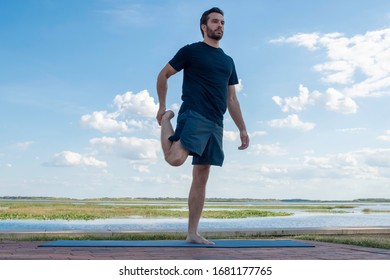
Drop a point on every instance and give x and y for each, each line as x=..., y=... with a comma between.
x=219, y=233
x=24, y=250
x=29, y=250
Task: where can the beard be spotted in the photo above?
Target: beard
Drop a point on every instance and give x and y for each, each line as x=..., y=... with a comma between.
x=213, y=34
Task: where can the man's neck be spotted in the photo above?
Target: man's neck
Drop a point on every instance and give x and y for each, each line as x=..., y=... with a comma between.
x=211, y=42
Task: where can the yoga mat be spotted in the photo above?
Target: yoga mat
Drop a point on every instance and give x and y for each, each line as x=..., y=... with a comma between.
x=221, y=243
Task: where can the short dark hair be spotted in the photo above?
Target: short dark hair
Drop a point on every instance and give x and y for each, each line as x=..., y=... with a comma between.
x=205, y=16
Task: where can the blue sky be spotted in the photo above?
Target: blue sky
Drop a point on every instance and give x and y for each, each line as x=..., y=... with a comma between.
x=78, y=98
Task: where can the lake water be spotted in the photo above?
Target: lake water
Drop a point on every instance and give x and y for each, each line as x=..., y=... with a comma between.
x=354, y=218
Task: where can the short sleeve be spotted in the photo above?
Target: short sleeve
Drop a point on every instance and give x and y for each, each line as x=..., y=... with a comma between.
x=233, y=79
x=180, y=60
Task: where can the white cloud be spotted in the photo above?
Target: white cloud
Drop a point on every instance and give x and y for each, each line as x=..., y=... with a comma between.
x=333, y=161
x=332, y=100
x=23, y=145
x=359, y=64
x=377, y=157
x=257, y=133
x=130, y=107
x=340, y=72
x=292, y=121
x=232, y=136
x=298, y=103
x=141, y=104
x=131, y=148
x=385, y=136
x=104, y=122
x=269, y=150
x=141, y=168
x=69, y=159
x=308, y=40
x=239, y=86
x=175, y=107
x=361, y=164
x=272, y=170
x=336, y=101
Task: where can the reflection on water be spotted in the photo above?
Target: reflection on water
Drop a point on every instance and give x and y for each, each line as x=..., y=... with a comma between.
x=298, y=220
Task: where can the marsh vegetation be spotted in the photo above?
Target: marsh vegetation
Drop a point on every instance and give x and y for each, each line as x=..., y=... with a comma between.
x=97, y=209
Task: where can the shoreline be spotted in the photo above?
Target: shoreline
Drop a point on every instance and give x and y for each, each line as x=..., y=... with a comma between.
x=217, y=233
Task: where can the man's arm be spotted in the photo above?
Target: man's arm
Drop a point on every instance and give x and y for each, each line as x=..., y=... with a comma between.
x=235, y=112
x=162, y=89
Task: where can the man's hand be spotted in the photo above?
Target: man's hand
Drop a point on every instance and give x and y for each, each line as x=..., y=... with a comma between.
x=162, y=88
x=244, y=140
x=160, y=113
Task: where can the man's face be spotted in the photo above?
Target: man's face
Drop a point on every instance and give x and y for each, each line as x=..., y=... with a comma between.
x=215, y=26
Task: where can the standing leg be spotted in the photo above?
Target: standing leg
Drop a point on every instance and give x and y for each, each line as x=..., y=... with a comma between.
x=196, y=199
x=174, y=153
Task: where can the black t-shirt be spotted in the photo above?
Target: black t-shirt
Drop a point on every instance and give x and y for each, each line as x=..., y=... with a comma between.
x=208, y=72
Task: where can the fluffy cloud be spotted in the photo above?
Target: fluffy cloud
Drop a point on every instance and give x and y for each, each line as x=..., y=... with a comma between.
x=132, y=148
x=309, y=40
x=69, y=159
x=359, y=65
x=338, y=102
x=104, y=122
x=361, y=164
x=298, y=103
x=129, y=108
x=332, y=100
x=235, y=135
x=292, y=121
x=334, y=161
x=141, y=104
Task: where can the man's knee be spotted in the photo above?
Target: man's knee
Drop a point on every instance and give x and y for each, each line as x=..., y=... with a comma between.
x=174, y=161
x=177, y=155
x=176, y=158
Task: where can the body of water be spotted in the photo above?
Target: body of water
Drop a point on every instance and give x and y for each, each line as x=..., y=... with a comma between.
x=300, y=219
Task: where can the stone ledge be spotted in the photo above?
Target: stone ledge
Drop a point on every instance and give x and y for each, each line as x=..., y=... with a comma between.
x=214, y=233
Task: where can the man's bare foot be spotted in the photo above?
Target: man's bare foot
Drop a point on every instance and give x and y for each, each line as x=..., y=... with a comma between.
x=168, y=115
x=197, y=239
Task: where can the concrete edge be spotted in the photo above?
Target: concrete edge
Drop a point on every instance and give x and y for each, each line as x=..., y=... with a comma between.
x=209, y=233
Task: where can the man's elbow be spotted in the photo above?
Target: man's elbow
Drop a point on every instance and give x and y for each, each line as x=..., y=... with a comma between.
x=232, y=102
x=166, y=72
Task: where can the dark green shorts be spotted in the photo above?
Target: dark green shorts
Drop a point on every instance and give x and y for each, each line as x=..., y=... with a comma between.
x=201, y=137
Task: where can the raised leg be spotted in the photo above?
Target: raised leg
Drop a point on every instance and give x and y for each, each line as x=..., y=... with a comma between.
x=174, y=153
x=196, y=200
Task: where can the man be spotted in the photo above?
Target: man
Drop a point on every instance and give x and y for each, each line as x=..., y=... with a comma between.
x=208, y=90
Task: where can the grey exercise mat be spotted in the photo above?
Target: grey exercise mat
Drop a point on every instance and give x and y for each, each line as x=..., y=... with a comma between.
x=220, y=243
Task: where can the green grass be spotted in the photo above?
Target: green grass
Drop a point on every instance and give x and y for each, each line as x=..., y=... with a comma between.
x=237, y=214
x=365, y=240
x=368, y=211
x=91, y=211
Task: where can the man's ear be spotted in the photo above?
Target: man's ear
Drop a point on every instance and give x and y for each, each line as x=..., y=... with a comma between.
x=204, y=28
